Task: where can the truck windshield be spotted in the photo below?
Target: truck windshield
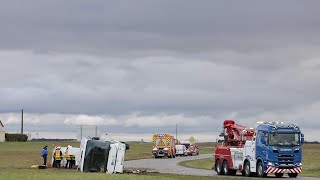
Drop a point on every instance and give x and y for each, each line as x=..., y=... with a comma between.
x=284, y=139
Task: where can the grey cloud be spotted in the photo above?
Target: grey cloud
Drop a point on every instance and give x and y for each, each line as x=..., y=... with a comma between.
x=112, y=26
x=244, y=60
x=63, y=83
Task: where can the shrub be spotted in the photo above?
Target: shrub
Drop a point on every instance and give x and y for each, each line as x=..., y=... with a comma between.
x=16, y=137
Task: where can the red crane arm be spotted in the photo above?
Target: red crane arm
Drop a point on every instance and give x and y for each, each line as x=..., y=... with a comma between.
x=233, y=132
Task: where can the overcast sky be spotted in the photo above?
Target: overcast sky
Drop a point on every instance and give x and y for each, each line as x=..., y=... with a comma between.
x=139, y=67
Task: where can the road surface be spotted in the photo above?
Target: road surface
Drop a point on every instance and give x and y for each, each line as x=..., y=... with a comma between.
x=171, y=166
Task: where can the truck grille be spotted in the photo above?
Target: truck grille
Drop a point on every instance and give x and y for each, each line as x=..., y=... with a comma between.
x=286, y=161
x=161, y=151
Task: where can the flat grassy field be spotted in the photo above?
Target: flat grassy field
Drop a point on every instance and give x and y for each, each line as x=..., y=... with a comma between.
x=311, y=159
x=16, y=159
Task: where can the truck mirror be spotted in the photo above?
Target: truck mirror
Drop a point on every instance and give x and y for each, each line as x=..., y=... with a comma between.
x=302, y=138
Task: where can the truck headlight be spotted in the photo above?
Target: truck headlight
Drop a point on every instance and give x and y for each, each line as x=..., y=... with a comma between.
x=165, y=149
x=299, y=164
x=271, y=164
x=154, y=149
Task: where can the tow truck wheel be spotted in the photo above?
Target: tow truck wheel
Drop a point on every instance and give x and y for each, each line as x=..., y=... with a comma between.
x=218, y=167
x=247, y=169
x=260, y=172
x=225, y=167
x=293, y=175
x=279, y=175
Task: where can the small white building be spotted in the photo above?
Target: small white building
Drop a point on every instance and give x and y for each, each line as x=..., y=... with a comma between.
x=88, y=131
x=2, y=133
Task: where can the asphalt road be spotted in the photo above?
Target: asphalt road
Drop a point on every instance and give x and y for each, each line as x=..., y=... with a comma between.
x=171, y=166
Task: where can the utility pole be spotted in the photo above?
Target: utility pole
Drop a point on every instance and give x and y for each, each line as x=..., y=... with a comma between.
x=21, y=121
x=176, y=131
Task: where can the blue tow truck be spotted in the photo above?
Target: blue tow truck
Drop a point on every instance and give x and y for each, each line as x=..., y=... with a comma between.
x=271, y=148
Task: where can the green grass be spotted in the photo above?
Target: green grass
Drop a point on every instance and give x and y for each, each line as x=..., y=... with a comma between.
x=49, y=174
x=139, y=151
x=16, y=159
x=206, y=148
x=310, y=161
x=199, y=164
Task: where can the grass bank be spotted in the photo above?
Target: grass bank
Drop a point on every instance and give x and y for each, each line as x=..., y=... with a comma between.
x=16, y=159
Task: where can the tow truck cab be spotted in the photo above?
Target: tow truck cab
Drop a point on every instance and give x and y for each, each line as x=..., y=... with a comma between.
x=279, y=149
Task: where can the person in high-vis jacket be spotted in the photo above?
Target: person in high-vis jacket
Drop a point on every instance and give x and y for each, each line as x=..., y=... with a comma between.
x=57, y=155
x=72, y=161
x=68, y=158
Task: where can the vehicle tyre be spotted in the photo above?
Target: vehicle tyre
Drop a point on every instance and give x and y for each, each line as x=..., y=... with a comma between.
x=218, y=167
x=279, y=175
x=260, y=172
x=246, y=170
x=293, y=175
x=225, y=167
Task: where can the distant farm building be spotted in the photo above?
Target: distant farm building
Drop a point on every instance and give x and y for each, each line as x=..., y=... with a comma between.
x=2, y=133
x=88, y=131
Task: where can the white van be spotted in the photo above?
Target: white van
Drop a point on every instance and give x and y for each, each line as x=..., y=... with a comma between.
x=181, y=150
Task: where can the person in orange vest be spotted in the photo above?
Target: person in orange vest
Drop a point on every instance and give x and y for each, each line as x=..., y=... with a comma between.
x=57, y=155
x=72, y=161
x=68, y=158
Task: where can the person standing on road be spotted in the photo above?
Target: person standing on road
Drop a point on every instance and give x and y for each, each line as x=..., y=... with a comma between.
x=44, y=154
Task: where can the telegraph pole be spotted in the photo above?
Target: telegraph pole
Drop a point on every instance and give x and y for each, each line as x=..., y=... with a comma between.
x=176, y=131
x=21, y=121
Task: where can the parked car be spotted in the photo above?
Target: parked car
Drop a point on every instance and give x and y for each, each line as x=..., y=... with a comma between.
x=192, y=148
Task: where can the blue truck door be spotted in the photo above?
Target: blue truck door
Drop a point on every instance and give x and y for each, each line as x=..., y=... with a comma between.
x=261, y=150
